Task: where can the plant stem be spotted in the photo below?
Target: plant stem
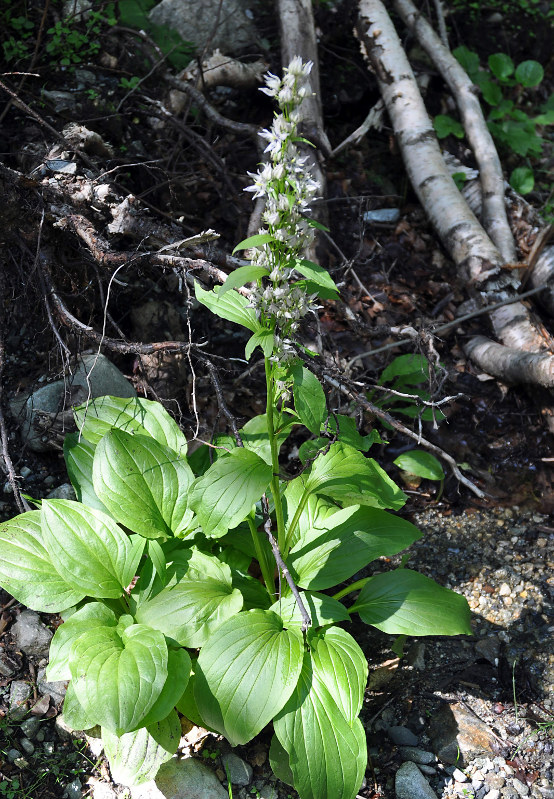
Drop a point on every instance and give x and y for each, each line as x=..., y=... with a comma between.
x=350, y=588
x=261, y=555
x=301, y=505
x=275, y=487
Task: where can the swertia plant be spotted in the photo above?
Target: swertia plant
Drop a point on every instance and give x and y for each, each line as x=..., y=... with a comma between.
x=153, y=566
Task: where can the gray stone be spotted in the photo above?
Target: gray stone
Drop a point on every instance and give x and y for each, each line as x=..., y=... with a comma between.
x=488, y=648
x=20, y=691
x=493, y=780
x=521, y=788
x=268, y=791
x=411, y=784
x=8, y=666
x=27, y=745
x=94, y=376
x=402, y=736
x=74, y=789
x=459, y=776
x=56, y=690
x=30, y=727
x=30, y=634
x=239, y=772
x=494, y=793
x=65, y=491
x=13, y=754
x=415, y=755
x=457, y=736
x=101, y=790
x=182, y=779
x=194, y=22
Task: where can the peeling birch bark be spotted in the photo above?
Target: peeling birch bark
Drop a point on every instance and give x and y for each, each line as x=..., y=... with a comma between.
x=495, y=219
x=512, y=365
x=459, y=230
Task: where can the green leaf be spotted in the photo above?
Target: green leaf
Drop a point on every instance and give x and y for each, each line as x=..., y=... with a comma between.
x=156, y=555
x=313, y=222
x=467, y=59
x=346, y=475
x=346, y=542
x=73, y=714
x=254, y=593
x=445, y=126
x=178, y=674
x=327, y=755
x=231, y=306
x=413, y=369
x=279, y=762
x=342, y=666
x=263, y=338
x=492, y=92
x=254, y=241
x=135, y=415
x=136, y=757
x=405, y=602
x=246, y=673
x=309, y=398
x=522, y=179
x=88, y=550
x=346, y=430
x=421, y=464
x=242, y=275
x=225, y=494
x=143, y=484
x=91, y=615
x=316, y=274
x=323, y=610
x=119, y=674
x=26, y=569
x=315, y=511
x=191, y=610
x=79, y=455
x=256, y=438
x=501, y=65
x=529, y=73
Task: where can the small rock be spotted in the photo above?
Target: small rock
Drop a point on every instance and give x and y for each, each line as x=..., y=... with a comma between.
x=30, y=634
x=187, y=778
x=239, y=772
x=65, y=491
x=27, y=745
x=30, y=727
x=493, y=780
x=25, y=472
x=56, y=690
x=402, y=736
x=74, y=789
x=268, y=791
x=8, y=666
x=504, y=590
x=13, y=754
x=20, y=691
x=411, y=784
x=41, y=707
x=488, y=648
x=509, y=793
x=521, y=788
x=457, y=735
x=494, y=793
x=459, y=776
x=416, y=755
x=429, y=770
x=101, y=790
x=416, y=656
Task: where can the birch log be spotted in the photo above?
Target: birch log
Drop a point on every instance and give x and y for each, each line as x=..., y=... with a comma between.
x=495, y=219
x=462, y=235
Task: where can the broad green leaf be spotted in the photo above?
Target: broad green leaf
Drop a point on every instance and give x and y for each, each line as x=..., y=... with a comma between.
x=347, y=432
x=492, y=92
x=345, y=542
x=467, y=59
x=254, y=241
x=529, y=73
x=254, y=593
x=88, y=550
x=191, y=610
x=119, y=675
x=178, y=674
x=317, y=274
x=501, y=65
x=73, y=714
x=522, y=179
x=26, y=569
x=136, y=757
x=309, y=450
x=143, y=484
x=327, y=755
x=156, y=555
x=316, y=510
x=279, y=762
x=79, y=455
x=414, y=369
x=196, y=565
x=421, y=464
x=225, y=494
x=246, y=673
x=231, y=306
x=255, y=436
x=323, y=610
x=93, y=614
x=264, y=338
x=349, y=477
x=445, y=125
x=242, y=275
x=405, y=602
x=187, y=703
x=309, y=398
x=342, y=666
x=135, y=415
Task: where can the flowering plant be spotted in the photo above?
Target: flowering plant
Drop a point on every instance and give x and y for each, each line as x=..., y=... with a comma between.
x=166, y=609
